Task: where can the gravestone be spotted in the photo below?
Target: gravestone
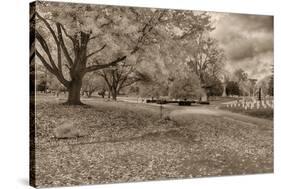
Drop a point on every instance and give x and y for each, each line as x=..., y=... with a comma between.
x=204, y=96
x=224, y=86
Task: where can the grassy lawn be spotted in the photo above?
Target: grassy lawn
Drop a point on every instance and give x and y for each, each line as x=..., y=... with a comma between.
x=125, y=142
x=219, y=100
x=260, y=113
x=261, y=109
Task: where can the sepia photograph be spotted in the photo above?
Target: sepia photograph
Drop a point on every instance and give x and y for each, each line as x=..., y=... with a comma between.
x=127, y=94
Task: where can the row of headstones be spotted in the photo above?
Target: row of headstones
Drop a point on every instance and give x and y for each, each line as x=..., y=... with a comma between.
x=252, y=105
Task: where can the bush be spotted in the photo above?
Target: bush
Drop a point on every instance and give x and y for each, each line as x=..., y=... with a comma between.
x=186, y=88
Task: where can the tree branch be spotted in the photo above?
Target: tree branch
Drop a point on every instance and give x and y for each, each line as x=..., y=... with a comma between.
x=65, y=32
x=106, y=24
x=144, y=31
x=45, y=63
x=95, y=52
x=59, y=57
x=31, y=57
x=45, y=47
x=94, y=37
x=57, y=71
x=63, y=46
x=103, y=74
x=68, y=67
x=52, y=70
x=49, y=27
x=101, y=66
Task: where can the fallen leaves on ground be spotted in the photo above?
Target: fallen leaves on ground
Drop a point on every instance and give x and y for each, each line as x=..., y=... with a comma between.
x=126, y=142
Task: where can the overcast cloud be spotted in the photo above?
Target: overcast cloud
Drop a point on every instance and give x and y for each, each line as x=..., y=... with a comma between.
x=247, y=41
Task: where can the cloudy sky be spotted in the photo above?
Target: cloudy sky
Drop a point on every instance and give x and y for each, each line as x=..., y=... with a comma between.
x=247, y=41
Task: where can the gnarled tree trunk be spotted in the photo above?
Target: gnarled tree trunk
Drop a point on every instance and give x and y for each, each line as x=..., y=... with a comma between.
x=114, y=94
x=77, y=65
x=74, y=92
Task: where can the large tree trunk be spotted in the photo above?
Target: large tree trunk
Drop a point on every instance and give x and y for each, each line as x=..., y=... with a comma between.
x=114, y=94
x=74, y=92
x=109, y=94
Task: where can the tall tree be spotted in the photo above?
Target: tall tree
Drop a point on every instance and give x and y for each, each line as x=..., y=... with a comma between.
x=202, y=54
x=66, y=31
x=206, y=58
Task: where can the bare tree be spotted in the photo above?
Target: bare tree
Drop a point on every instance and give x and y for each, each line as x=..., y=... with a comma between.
x=206, y=58
x=92, y=83
x=119, y=77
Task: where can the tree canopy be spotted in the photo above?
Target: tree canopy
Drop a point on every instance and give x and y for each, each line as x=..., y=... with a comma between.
x=76, y=39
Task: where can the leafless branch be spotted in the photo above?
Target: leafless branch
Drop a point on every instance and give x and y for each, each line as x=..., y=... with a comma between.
x=62, y=44
x=95, y=52
x=49, y=27
x=106, y=24
x=94, y=37
x=101, y=66
x=66, y=33
x=45, y=47
x=52, y=70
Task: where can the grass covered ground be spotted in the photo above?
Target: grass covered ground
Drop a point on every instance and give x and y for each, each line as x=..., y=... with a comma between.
x=124, y=142
x=260, y=113
x=260, y=109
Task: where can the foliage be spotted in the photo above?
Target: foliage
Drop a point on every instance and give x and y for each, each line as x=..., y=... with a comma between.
x=264, y=85
x=54, y=85
x=154, y=83
x=76, y=39
x=41, y=86
x=232, y=88
x=92, y=83
x=134, y=89
x=271, y=84
x=123, y=75
x=67, y=31
x=215, y=87
x=239, y=75
x=153, y=90
x=206, y=58
x=186, y=88
x=271, y=87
